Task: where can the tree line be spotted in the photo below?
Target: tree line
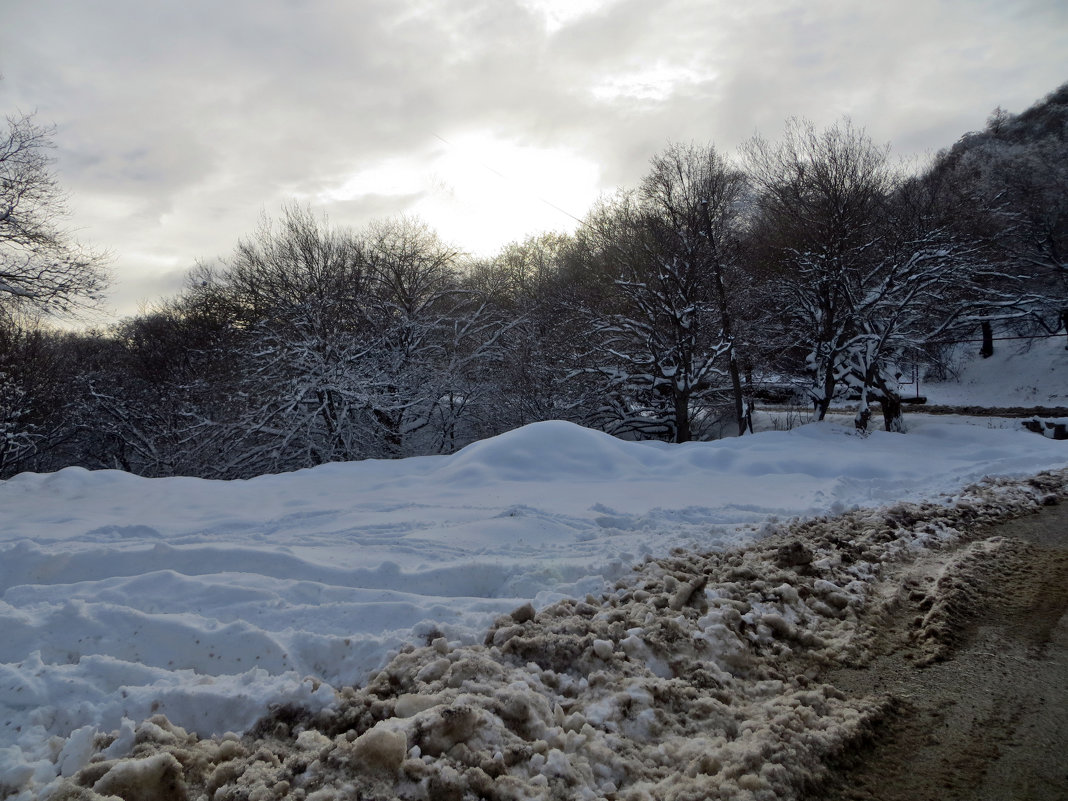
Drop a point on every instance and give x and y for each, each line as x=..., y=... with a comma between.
x=812, y=264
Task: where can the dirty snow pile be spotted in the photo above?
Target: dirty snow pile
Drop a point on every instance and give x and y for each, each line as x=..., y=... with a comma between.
x=203, y=603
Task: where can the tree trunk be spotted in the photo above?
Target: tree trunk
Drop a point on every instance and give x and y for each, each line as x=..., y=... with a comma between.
x=862, y=418
x=682, y=416
x=749, y=404
x=819, y=408
x=390, y=423
x=736, y=386
x=893, y=418
x=987, y=350
x=725, y=323
x=863, y=415
x=824, y=403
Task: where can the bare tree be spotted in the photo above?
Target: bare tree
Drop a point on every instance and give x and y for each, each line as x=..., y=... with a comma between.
x=353, y=345
x=694, y=197
x=39, y=391
x=663, y=341
x=820, y=204
x=1027, y=184
x=530, y=381
x=434, y=335
x=41, y=265
x=1008, y=187
x=298, y=289
x=19, y=435
x=864, y=270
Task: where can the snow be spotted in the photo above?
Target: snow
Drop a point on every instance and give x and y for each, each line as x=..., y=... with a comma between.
x=207, y=601
x=1019, y=373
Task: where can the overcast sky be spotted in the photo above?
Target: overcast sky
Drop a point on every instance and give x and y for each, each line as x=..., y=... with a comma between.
x=179, y=123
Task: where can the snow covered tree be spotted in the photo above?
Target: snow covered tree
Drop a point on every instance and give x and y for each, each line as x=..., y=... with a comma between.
x=662, y=341
x=297, y=288
x=864, y=268
x=696, y=200
x=820, y=203
x=152, y=396
x=17, y=436
x=43, y=271
x=39, y=395
x=1036, y=184
x=1008, y=186
x=413, y=277
x=1027, y=184
x=19, y=431
x=915, y=291
x=1028, y=169
x=530, y=284
x=353, y=345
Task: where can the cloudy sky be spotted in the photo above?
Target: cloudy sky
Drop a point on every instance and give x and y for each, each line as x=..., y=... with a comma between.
x=179, y=123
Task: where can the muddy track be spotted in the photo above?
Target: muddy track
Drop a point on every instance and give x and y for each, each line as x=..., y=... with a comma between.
x=973, y=650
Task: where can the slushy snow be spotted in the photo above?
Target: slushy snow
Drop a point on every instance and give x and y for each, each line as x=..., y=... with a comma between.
x=208, y=601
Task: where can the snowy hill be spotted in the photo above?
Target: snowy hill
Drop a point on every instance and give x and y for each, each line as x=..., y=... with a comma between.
x=1019, y=373
x=206, y=601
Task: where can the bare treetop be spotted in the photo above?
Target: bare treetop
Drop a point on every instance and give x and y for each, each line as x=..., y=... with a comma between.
x=41, y=265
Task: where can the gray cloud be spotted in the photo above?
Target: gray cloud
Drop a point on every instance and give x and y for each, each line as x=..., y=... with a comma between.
x=178, y=123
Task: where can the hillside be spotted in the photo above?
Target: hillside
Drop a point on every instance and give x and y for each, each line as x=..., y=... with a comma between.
x=1019, y=373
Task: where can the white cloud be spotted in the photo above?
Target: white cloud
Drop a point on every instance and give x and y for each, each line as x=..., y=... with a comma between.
x=178, y=124
x=557, y=14
x=394, y=176
x=477, y=189
x=655, y=83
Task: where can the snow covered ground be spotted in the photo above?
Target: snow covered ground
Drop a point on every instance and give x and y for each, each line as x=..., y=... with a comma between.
x=123, y=597
x=1020, y=373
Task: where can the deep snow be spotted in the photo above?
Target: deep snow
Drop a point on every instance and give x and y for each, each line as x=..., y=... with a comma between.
x=206, y=601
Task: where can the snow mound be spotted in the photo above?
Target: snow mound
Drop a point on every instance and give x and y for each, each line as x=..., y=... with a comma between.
x=558, y=449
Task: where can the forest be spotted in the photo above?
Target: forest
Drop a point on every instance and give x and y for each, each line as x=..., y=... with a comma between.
x=812, y=268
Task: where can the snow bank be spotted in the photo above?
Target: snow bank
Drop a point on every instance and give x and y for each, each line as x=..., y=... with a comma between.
x=123, y=597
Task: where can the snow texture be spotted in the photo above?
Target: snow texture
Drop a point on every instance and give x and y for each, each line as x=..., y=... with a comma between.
x=192, y=606
x=1019, y=373
x=710, y=689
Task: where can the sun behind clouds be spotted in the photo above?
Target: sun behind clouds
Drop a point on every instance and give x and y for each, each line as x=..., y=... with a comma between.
x=478, y=189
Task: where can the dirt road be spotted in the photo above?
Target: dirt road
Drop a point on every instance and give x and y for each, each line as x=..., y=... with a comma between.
x=975, y=652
